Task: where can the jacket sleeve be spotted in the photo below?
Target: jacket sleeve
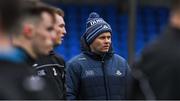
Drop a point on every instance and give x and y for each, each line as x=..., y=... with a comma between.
x=72, y=80
x=128, y=78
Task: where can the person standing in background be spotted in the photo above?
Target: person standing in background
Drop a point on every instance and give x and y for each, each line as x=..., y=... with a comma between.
x=37, y=32
x=157, y=72
x=16, y=77
x=52, y=67
x=36, y=40
x=97, y=73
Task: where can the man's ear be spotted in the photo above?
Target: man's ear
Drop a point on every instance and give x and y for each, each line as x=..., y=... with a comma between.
x=28, y=30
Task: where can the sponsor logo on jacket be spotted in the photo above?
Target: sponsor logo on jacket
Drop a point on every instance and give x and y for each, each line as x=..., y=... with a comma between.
x=118, y=73
x=41, y=72
x=89, y=73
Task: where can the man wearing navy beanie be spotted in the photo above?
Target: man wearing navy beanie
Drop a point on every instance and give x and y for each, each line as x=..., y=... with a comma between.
x=97, y=73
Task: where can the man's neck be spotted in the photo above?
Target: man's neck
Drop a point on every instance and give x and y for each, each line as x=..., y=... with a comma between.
x=5, y=42
x=26, y=46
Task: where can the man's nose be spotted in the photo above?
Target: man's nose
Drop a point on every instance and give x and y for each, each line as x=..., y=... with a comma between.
x=64, y=30
x=107, y=40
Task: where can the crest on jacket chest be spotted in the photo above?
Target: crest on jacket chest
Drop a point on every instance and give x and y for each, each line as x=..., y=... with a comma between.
x=118, y=73
x=89, y=73
x=41, y=72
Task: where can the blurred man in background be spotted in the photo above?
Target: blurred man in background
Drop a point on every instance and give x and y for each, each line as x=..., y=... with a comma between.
x=37, y=32
x=97, y=73
x=36, y=40
x=17, y=80
x=158, y=71
x=52, y=67
x=13, y=72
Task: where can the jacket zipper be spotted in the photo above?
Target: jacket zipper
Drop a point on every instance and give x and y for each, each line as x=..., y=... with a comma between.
x=105, y=80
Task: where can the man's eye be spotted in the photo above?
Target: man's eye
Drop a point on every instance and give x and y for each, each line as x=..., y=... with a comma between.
x=102, y=37
x=61, y=26
x=50, y=28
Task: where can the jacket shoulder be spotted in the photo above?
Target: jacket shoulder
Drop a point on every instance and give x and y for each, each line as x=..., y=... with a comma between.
x=76, y=62
x=77, y=58
x=120, y=58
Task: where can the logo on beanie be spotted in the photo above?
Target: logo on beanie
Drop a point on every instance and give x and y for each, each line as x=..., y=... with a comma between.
x=96, y=21
x=105, y=26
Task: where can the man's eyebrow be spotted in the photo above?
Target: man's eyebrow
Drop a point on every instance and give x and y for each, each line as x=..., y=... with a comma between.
x=50, y=28
x=61, y=25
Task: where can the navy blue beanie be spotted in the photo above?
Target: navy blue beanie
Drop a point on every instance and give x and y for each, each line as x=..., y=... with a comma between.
x=95, y=26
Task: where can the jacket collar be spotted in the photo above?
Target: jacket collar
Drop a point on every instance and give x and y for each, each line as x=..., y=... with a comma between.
x=28, y=59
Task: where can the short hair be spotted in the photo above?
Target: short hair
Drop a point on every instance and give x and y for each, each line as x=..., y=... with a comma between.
x=10, y=14
x=58, y=11
x=36, y=8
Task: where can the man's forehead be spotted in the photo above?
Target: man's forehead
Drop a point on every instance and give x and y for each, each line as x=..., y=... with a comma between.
x=46, y=16
x=59, y=19
x=105, y=34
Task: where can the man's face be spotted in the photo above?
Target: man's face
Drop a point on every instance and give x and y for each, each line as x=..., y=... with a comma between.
x=102, y=43
x=60, y=29
x=43, y=34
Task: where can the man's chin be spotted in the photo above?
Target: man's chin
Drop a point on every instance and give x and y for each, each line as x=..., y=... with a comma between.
x=104, y=51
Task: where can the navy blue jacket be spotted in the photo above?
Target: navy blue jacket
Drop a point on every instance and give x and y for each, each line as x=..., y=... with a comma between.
x=92, y=76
